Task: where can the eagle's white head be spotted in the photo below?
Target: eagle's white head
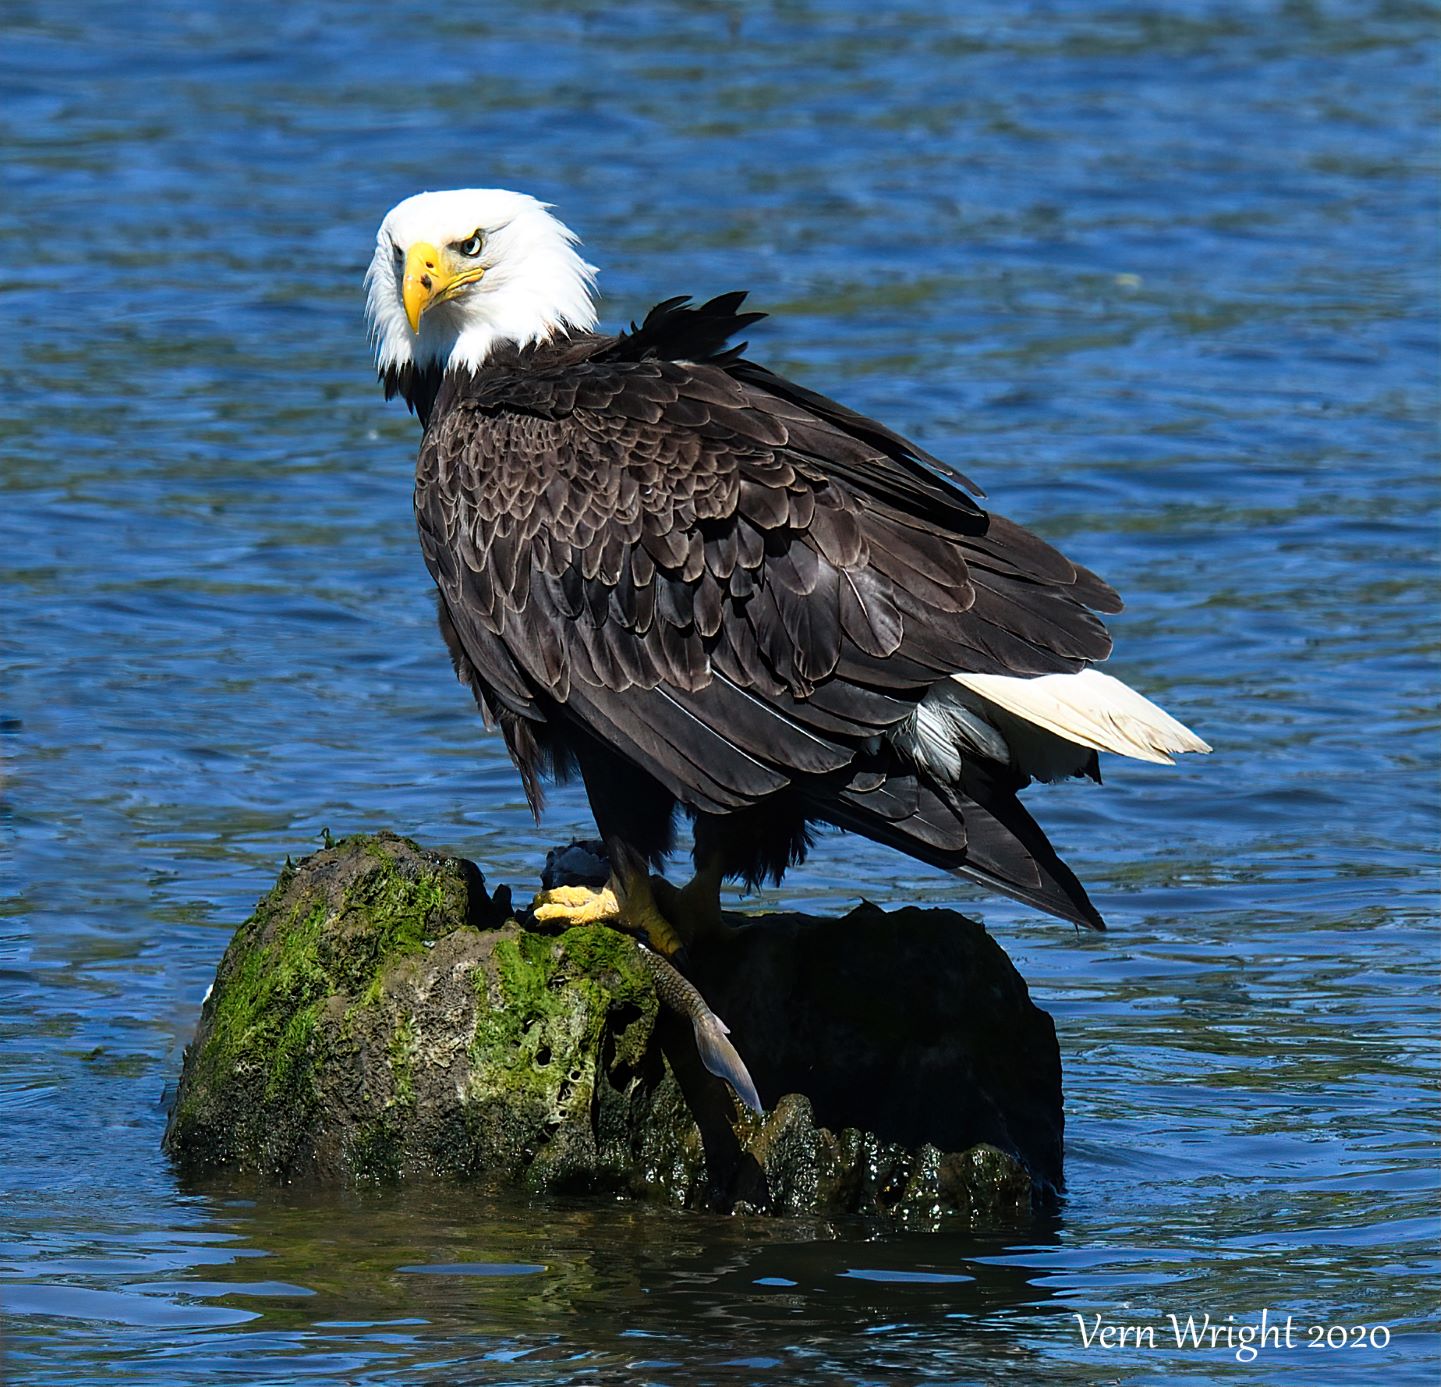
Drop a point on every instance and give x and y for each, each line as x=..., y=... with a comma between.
x=458, y=273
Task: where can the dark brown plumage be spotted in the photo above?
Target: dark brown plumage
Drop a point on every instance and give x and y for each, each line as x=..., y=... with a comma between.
x=697, y=584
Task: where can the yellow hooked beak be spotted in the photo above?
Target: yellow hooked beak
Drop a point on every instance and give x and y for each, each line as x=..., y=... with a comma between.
x=430, y=279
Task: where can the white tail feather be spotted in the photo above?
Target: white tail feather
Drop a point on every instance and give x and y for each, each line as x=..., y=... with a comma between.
x=1091, y=709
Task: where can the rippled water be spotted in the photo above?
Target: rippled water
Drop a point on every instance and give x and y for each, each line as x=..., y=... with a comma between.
x=1161, y=277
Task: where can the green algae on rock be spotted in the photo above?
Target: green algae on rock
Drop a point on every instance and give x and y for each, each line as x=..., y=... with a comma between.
x=382, y=1016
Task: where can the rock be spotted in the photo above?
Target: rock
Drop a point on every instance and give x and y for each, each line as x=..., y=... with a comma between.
x=381, y=1016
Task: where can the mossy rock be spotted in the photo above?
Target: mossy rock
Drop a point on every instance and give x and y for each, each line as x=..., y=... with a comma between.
x=382, y=1016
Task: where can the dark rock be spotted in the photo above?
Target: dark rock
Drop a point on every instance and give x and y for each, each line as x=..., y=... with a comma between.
x=380, y=1016
x=576, y=864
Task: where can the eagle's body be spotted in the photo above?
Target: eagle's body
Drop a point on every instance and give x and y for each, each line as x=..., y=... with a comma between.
x=701, y=586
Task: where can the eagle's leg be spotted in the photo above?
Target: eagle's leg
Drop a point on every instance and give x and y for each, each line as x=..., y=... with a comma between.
x=695, y=908
x=636, y=819
x=635, y=890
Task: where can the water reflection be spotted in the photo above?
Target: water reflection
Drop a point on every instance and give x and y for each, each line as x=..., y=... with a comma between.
x=551, y=1282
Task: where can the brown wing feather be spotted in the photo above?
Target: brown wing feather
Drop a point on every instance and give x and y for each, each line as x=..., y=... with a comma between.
x=733, y=583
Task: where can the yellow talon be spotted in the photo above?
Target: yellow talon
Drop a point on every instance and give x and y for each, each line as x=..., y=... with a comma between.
x=632, y=908
x=567, y=906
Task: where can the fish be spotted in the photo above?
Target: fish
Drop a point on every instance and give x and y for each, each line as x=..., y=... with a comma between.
x=717, y=1053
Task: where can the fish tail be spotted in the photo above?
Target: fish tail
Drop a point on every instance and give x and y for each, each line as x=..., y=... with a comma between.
x=721, y=1058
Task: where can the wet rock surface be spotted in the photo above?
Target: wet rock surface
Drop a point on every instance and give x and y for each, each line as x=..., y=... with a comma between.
x=382, y=1015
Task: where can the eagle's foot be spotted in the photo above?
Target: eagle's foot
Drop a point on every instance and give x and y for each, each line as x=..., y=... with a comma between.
x=566, y=906
x=631, y=908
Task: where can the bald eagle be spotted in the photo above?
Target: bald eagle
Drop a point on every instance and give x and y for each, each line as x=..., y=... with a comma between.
x=702, y=587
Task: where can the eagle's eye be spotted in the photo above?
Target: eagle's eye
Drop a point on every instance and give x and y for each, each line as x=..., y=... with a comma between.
x=396, y=252
x=470, y=247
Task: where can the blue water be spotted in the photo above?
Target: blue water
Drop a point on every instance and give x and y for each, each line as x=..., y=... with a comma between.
x=1161, y=277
